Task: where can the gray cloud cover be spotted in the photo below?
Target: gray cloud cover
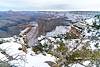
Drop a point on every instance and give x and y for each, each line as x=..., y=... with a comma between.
x=50, y=5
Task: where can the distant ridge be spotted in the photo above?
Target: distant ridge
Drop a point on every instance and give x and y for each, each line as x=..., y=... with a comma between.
x=10, y=20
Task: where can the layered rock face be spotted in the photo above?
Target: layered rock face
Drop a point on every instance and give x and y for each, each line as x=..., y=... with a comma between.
x=46, y=24
x=29, y=34
x=40, y=28
x=43, y=26
x=32, y=36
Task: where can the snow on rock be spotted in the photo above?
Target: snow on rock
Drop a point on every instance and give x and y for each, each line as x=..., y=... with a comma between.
x=11, y=47
x=23, y=59
x=79, y=65
x=2, y=57
x=37, y=61
x=58, y=30
x=41, y=37
x=90, y=21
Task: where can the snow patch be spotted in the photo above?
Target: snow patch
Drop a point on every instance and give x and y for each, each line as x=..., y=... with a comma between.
x=23, y=59
x=58, y=30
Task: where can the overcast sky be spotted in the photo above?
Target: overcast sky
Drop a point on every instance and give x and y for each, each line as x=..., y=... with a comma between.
x=27, y=5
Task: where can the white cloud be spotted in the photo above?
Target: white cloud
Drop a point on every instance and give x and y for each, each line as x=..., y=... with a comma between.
x=50, y=4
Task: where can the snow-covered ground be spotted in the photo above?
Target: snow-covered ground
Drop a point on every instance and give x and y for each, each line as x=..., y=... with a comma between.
x=22, y=59
x=26, y=60
x=30, y=59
